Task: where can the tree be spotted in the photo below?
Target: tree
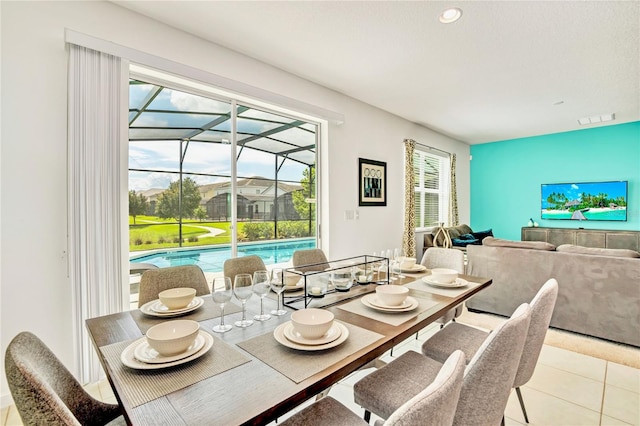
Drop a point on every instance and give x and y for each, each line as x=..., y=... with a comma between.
x=200, y=213
x=169, y=201
x=300, y=203
x=138, y=205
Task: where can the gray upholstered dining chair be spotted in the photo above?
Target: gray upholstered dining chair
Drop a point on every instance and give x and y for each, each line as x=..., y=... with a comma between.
x=457, y=336
x=309, y=260
x=487, y=378
x=45, y=392
x=242, y=265
x=154, y=281
x=434, y=405
x=435, y=257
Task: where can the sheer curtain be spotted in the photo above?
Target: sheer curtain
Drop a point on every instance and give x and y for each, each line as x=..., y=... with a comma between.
x=409, y=233
x=97, y=181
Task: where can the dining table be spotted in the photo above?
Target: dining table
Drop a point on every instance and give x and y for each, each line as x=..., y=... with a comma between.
x=248, y=376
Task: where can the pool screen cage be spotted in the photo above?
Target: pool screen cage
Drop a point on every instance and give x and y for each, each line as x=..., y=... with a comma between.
x=162, y=115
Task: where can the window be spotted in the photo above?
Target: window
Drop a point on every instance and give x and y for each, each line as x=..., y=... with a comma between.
x=180, y=171
x=431, y=175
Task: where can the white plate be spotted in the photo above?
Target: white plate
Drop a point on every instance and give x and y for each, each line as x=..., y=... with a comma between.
x=161, y=308
x=334, y=333
x=414, y=268
x=377, y=303
x=459, y=282
x=145, y=353
x=147, y=308
x=366, y=300
x=128, y=358
x=278, y=334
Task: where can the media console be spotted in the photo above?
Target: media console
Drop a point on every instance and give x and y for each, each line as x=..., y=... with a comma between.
x=615, y=239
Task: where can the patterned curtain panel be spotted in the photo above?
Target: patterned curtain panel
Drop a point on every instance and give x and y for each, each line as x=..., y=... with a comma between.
x=409, y=234
x=453, y=196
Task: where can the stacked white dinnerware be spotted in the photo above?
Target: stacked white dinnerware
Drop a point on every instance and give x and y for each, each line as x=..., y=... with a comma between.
x=390, y=299
x=167, y=344
x=173, y=302
x=444, y=277
x=310, y=330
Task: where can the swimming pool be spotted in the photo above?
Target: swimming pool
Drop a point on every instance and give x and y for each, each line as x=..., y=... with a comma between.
x=211, y=259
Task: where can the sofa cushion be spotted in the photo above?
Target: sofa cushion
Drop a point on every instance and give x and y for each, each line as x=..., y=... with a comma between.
x=570, y=248
x=454, y=232
x=464, y=240
x=532, y=245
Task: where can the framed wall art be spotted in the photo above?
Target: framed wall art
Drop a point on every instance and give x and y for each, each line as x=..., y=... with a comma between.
x=372, y=182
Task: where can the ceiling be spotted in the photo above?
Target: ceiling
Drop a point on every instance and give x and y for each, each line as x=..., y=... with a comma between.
x=506, y=69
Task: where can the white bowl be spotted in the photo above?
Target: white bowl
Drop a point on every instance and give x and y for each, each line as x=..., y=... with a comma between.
x=408, y=262
x=177, y=298
x=172, y=337
x=392, y=295
x=444, y=275
x=312, y=323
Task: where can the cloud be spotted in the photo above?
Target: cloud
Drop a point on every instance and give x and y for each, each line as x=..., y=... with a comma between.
x=574, y=186
x=188, y=102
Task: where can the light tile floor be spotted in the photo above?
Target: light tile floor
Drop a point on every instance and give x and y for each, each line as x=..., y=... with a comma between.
x=567, y=389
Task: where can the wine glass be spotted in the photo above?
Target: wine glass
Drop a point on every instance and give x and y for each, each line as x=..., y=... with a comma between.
x=389, y=255
x=261, y=288
x=398, y=257
x=221, y=294
x=243, y=289
x=277, y=285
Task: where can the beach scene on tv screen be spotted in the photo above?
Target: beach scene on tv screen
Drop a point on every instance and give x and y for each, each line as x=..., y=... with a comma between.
x=585, y=201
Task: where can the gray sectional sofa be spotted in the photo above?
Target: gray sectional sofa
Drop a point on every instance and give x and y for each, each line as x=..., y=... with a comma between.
x=599, y=289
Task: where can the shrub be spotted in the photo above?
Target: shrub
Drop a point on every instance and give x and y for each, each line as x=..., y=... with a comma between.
x=138, y=242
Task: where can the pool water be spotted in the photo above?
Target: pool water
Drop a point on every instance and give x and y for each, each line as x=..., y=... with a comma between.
x=211, y=259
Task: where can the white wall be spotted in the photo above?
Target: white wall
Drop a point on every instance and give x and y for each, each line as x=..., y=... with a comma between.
x=34, y=287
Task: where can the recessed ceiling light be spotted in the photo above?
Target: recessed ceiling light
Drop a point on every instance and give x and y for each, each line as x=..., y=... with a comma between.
x=450, y=15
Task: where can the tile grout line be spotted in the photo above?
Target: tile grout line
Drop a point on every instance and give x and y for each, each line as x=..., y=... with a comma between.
x=562, y=399
x=604, y=389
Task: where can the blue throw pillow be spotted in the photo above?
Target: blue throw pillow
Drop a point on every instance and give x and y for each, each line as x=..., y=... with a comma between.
x=460, y=242
x=481, y=235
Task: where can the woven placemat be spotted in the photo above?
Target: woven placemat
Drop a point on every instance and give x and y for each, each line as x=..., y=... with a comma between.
x=208, y=310
x=448, y=292
x=142, y=386
x=393, y=318
x=299, y=365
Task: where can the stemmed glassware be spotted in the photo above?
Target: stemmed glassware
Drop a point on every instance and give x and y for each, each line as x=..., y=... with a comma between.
x=243, y=289
x=221, y=294
x=398, y=258
x=391, y=256
x=261, y=288
x=277, y=285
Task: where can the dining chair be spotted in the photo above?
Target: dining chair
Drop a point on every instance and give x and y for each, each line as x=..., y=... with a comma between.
x=436, y=257
x=485, y=388
x=154, y=281
x=435, y=404
x=46, y=393
x=242, y=265
x=309, y=260
x=456, y=336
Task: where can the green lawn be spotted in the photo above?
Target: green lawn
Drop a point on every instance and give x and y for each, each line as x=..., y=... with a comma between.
x=152, y=233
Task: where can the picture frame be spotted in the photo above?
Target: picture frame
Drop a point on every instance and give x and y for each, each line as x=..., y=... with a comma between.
x=372, y=182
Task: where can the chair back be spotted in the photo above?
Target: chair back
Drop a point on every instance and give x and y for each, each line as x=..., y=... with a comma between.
x=436, y=404
x=154, y=281
x=45, y=392
x=489, y=375
x=310, y=260
x=243, y=265
x=542, y=307
x=436, y=257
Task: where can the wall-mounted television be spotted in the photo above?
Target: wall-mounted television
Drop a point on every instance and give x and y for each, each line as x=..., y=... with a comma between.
x=585, y=201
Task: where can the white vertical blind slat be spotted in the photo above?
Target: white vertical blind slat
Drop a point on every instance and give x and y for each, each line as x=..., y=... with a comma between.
x=95, y=185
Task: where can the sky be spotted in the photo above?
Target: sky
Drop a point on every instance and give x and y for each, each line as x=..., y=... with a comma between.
x=203, y=156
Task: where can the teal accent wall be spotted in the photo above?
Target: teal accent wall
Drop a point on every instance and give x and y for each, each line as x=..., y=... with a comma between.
x=506, y=176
